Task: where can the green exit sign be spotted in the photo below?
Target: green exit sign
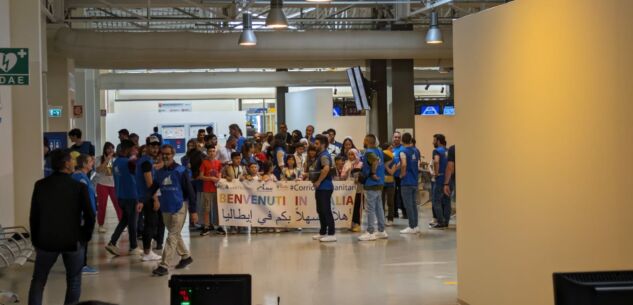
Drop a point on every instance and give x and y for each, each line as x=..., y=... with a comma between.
x=14, y=66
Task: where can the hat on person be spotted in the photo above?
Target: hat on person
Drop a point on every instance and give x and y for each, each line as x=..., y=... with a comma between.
x=153, y=140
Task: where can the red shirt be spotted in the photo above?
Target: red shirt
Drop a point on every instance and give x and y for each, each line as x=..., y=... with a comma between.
x=210, y=168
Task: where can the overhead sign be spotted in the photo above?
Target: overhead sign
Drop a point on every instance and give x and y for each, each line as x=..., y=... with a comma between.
x=431, y=110
x=14, y=66
x=54, y=112
x=174, y=107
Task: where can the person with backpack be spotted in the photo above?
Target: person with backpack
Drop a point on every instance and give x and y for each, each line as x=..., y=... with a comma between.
x=373, y=179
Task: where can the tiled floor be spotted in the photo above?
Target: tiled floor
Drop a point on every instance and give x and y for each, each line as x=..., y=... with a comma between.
x=401, y=270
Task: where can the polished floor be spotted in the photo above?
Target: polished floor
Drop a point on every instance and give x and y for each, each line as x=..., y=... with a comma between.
x=407, y=269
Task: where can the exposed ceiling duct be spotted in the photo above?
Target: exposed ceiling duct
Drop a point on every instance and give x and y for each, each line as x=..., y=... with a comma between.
x=107, y=50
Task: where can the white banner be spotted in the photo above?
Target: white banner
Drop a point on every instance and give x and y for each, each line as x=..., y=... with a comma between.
x=280, y=204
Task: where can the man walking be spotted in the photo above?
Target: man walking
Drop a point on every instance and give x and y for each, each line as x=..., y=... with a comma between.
x=175, y=187
x=374, y=171
x=323, y=191
x=61, y=219
x=441, y=202
x=409, y=183
x=127, y=194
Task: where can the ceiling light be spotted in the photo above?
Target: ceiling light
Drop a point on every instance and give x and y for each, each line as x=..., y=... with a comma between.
x=434, y=35
x=247, y=38
x=276, y=18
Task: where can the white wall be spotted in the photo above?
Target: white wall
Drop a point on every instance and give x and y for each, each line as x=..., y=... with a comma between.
x=6, y=130
x=545, y=145
x=314, y=107
x=149, y=119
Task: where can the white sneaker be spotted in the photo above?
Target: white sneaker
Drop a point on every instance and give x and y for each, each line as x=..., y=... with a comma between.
x=318, y=237
x=151, y=257
x=389, y=223
x=102, y=229
x=327, y=239
x=135, y=251
x=406, y=231
x=415, y=230
x=381, y=235
x=367, y=237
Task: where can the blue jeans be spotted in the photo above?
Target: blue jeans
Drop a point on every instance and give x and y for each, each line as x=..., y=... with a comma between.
x=408, y=200
x=441, y=204
x=44, y=261
x=374, y=209
x=128, y=220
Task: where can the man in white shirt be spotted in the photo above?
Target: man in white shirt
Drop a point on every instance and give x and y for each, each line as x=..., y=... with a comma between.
x=224, y=153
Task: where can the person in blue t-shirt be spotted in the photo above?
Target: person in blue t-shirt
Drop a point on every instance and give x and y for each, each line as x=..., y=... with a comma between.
x=127, y=193
x=83, y=165
x=441, y=202
x=409, y=182
x=236, y=132
x=175, y=188
x=396, y=148
x=374, y=171
x=323, y=190
x=80, y=146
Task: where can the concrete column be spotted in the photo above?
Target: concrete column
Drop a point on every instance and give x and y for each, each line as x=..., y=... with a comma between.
x=61, y=91
x=377, y=116
x=6, y=128
x=400, y=98
x=86, y=96
x=26, y=108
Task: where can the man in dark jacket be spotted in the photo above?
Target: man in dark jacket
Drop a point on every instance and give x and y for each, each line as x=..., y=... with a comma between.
x=61, y=220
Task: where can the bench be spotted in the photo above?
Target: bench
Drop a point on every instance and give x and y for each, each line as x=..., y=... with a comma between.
x=15, y=246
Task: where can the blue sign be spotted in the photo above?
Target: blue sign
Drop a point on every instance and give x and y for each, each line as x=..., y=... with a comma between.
x=430, y=110
x=449, y=110
x=56, y=140
x=179, y=145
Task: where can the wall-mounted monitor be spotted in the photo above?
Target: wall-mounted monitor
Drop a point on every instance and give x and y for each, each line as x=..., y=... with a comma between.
x=359, y=87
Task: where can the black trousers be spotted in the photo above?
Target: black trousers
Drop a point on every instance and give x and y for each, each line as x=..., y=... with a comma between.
x=324, y=209
x=356, y=212
x=398, y=199
x=154, y=226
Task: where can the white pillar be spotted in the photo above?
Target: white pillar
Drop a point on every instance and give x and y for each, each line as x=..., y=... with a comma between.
x=6, y=128
x=25, y=27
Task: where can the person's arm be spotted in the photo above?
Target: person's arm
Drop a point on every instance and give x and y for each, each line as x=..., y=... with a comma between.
x=403, y=165
x=146, y=167
x=390, y=168
x=103, y=166
x=450, y=169
x=280, y=159
x=436, y=165
x=87, y=213
x=34, y=221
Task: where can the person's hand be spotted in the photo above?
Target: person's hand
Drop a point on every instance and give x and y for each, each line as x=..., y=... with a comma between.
x=156, y=205
x=316, y=184
x=194, y=217
x=447, y=190
x=139, y=207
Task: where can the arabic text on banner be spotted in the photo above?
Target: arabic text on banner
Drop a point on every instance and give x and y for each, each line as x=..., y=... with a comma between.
x=280, y=204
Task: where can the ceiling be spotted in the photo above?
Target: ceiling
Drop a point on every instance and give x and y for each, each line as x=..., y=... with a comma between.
x=221, y=16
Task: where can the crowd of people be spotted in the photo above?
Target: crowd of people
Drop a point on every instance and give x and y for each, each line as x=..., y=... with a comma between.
x=153, y=193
